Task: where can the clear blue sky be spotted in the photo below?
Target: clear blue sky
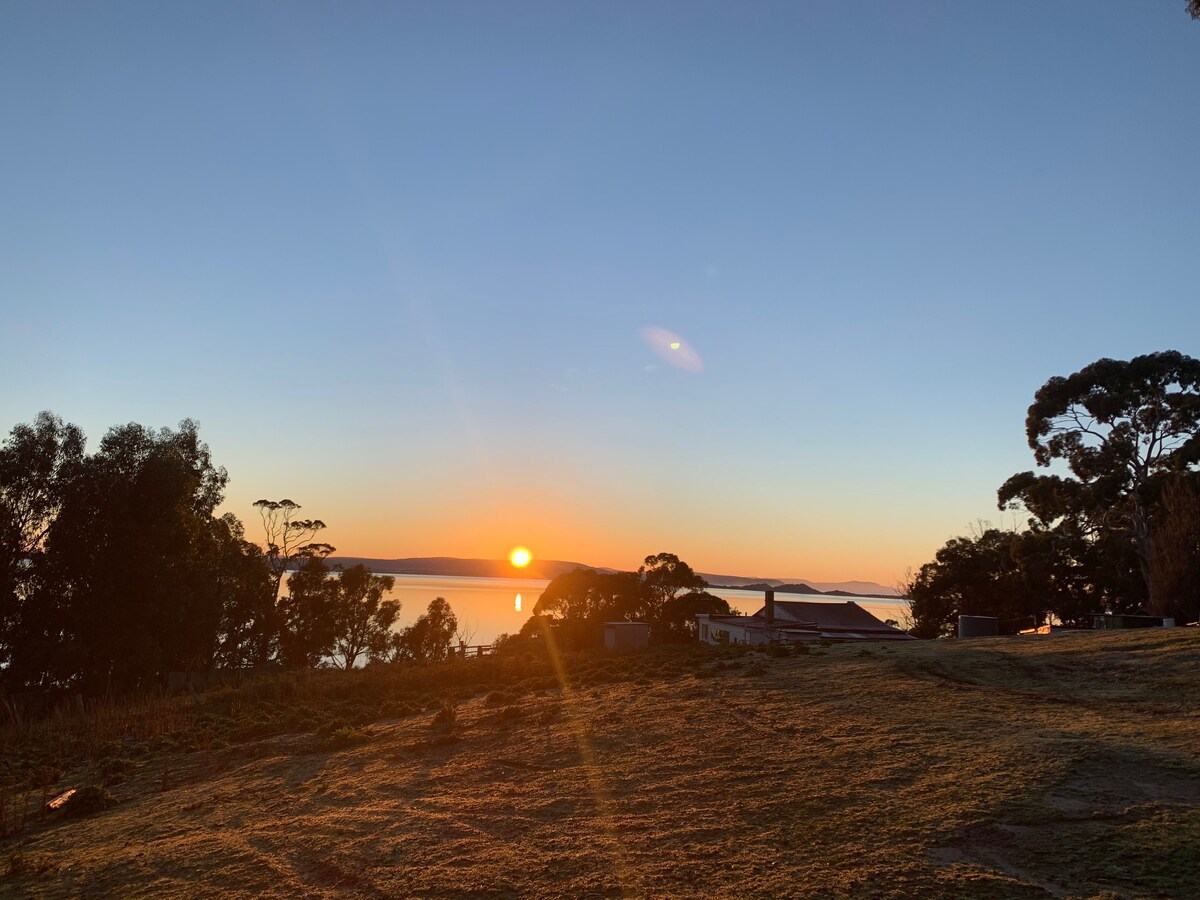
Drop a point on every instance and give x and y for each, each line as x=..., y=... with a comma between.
x=396, y=257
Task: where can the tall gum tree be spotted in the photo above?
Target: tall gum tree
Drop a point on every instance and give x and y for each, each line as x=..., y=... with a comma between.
x=1124, y=429
x=289, y=541
x=36, y=461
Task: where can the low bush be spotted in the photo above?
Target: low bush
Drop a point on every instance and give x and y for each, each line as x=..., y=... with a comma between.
x=447, y=716
x=88, y=800
x=20, y=863
x=344, y=738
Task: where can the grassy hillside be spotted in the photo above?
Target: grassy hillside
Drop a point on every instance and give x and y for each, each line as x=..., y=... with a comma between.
x=1064, y=766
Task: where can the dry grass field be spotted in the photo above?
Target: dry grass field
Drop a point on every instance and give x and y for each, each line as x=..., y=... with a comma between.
x=1065, y=766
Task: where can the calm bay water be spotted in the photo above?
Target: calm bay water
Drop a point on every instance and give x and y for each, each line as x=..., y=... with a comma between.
x=489, y=605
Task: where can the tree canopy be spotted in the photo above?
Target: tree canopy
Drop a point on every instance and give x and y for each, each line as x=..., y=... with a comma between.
x=128, y=588
x=429, y=638
x=36, y=463
x=1123, y=429
x=115, y=569
x=665, y=592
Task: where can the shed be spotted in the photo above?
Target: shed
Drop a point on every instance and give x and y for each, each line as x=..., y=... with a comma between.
x=626, y=635
x=1108, y=621
x=978, y=626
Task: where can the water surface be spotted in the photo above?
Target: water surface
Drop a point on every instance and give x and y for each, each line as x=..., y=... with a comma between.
x=488, y=606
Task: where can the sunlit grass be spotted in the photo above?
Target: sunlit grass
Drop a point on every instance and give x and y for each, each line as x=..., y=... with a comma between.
x=998, y=767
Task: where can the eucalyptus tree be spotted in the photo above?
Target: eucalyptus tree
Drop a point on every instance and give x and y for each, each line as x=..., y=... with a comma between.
x=308, y=623
x=129, y=589
x=289, y=541
x=429, y=638
x=585, y=594
x=36, y=462
x=664, y=591
x=288, y=538
x=363, y=617
x=1124, y=430
x=245, y=585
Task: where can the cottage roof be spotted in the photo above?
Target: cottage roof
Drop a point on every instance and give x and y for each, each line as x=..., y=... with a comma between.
x=825, y=615
x=833, y=619
x=836, y=621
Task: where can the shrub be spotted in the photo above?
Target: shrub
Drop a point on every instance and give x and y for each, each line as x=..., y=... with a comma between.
x=44, y=776
x=88, y=800
x=446, y=717
x=115, y=770
x=30, y=864
x=343, y=738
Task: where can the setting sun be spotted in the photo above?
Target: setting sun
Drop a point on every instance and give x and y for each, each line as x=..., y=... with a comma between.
x=520, y=557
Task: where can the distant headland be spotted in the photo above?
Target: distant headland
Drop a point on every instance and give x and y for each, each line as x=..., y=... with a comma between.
x=453, y=566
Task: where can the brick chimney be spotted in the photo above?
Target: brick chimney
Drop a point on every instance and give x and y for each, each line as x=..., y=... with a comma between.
x=770, y=610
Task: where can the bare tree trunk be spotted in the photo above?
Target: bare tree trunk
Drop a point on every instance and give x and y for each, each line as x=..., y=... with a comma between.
x=1172, y=555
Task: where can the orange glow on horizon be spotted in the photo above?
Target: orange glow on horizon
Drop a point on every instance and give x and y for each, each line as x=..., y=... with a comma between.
x=585, y=527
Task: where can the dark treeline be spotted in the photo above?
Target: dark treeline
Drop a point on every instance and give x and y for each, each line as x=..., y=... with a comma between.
x=664, y=592
x=115, y=570
x=1114, y=528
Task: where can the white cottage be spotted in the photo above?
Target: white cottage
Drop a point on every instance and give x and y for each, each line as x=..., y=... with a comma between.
x=798, y=621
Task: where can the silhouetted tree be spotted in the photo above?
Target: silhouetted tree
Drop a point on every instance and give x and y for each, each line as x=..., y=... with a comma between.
x=429, y=638
x=126, y=593
x=36, y=461
x=1174, y=547
x=288, y=541
x=970, y=576
x=1121, y=428
x=363, y=618
x=1194, y=8
x=246, y=587
x=664, y=576
x=574, y=604
x=664, y=592
x=309, y=615
x=591, y=595
x=1024, y=579
x=677, y=620
x=1073, y=576
x=673, y=594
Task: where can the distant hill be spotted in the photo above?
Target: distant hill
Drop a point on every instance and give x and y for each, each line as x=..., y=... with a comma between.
x=800, y=588
x=472, y=568
x=548, y=568
x=778, y=588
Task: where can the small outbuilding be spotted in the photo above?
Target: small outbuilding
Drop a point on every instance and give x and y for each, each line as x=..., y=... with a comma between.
x=978, y=626
x=1109, y=621
x=626, y=635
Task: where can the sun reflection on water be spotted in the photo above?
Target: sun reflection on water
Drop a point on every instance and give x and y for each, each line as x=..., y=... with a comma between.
x=518, y=603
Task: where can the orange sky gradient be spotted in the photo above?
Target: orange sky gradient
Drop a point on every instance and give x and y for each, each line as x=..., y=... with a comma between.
x=878, y=544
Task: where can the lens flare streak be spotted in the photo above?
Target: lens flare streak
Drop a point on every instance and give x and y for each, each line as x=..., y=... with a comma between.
x=673, y=349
